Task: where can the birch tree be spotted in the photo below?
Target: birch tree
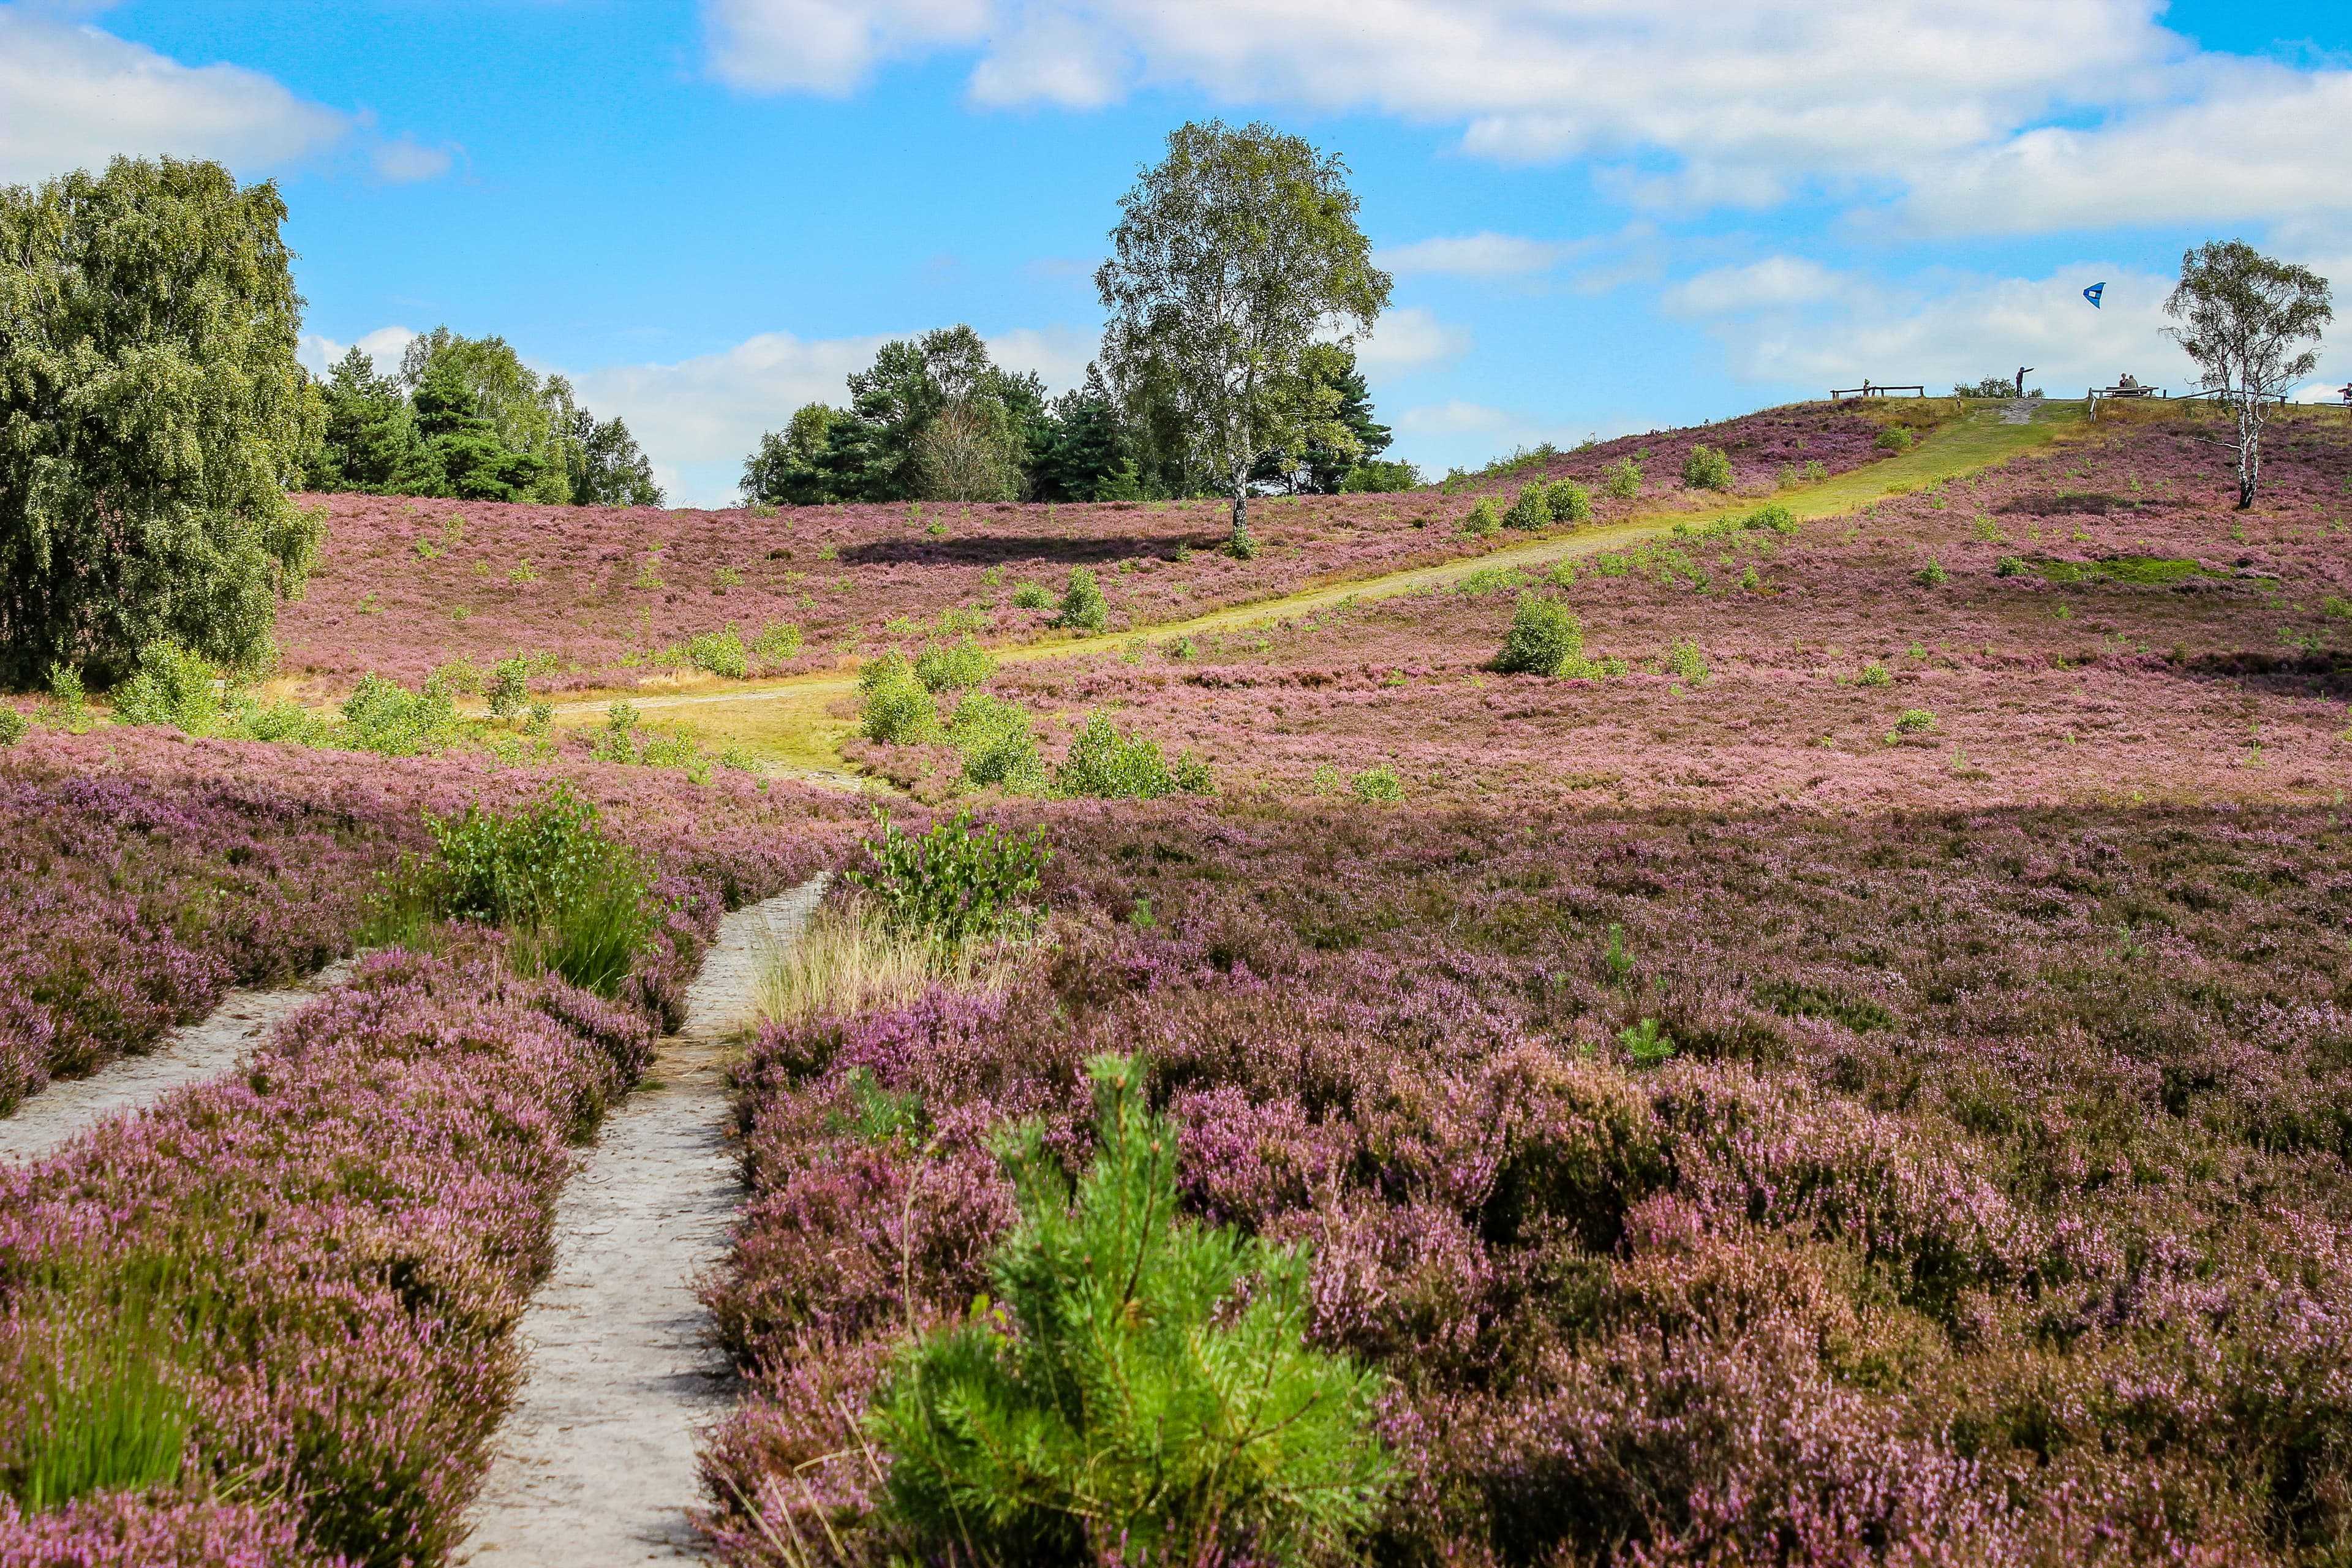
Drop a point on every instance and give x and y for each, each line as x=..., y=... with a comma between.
x=2248, y=323
x=1234, y=254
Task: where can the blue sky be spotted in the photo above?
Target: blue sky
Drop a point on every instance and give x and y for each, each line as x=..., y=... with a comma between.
x=1602, y=215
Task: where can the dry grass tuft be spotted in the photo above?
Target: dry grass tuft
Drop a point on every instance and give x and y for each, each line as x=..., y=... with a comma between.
x=847, y=960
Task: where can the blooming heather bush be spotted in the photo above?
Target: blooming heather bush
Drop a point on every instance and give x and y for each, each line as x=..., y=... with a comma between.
x=1928, y=1242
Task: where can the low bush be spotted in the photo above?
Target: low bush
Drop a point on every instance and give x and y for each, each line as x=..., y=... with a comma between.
x=999, y=743
x=13, y=725
x=1914, y=721
x=1532, y=509
x=779, y=642
x=1771, y=517
x=1377, y=784
x=719, y=653
x=386, y=718
x=1106, y=766
x=1931, y=575
x=1706, y=468
x=1082, y=606
x=1893, y=438
x=1568, y=501
x=954, y=666
x=1154, y=1391
x=1545, y=638
x=172, y=685
x=1622, y=480
x=1374, y=476
x=895, y=708
x=953, y=887
x=575, y=900
x=1873, y=675
x=1032, y=597
x=1483, y=519
x=1684, y=660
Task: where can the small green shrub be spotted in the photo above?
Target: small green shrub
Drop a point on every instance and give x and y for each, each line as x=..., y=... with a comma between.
x=1031, y=597
x=1893, y=438
x=13, y=725
x=1873, y=675
x=999, y=743
x=1545, y=638
x=386, y=718
x=1771, y=516
x=1103, y=764
x=779, y=642
x=1707, y=468
x=719, y=653
x=952, y=886
x=1483, y=579
x=1914, y=721
x=1815, y=470
x=172, y=685
x=574, y=899
x=1931, y=575
x=1484, y=518
x=2011, y=567
x=895, y=708
x=1375, y=476
x=1327, y=779
x=1684, y=660
x=1532, y=509
x=283, y=722
x=1377, y=784
x=955, y=667
x=1082, y=606
x=1568, y=501
x=1156, y=1392
x=1622, y=479
x=1648, y=1045
x=618, y=741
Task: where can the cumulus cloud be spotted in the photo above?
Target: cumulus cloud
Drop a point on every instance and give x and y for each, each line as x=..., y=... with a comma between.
x=383, y=347
x=2001, y=115
x=1409, y=338
x=1775, y=281
x=73, y=97
x=403, y=160
x=1482, y=255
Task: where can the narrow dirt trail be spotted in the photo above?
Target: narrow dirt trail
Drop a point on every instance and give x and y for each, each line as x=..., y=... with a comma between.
x=595, y=1466
x=189, y=1053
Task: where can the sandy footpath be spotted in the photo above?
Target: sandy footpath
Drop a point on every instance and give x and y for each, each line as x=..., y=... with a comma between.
x=595, y=1466
x=48, y=1121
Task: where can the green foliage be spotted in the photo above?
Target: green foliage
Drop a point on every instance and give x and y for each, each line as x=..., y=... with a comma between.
x=1232, y=254
x=173, y=685
x=94, y=1402
x=895, y=708
x=999, y=744
x=1327, y=779
x=1532, y=509
x=576, y=901
x=1706, y=468
x=952, y=886
x=1545, y=638
x=509, y=688
x=1103, y=764
x=1378, y=478
x=953, y=666
x=1931, y=575
x=154, y=416
x=1873, y=675
x=1312, y=460
x=1155, y=1396
x=13, y=725
x=1490, y=580
x=1647, y=1043
x=385, y=717
x=1617, y=958
x=1032, y=597
x=1379, y=783
x=779, y=642
x=1082, y=606
x=2011, y=567
x=1815, y=470
x=1484, y=518
x=1914, y=721
x=1568, y=501
x=1622, y=480
x=1684, y=660
x=1893, y=438
x=1771, y=516
x=719, y=653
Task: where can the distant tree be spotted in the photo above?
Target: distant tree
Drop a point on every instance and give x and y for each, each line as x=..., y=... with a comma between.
x=459, y=451
x=967, y=453
x=367, y=432
x=1313, y=463
x=1231, y=255
x=529, y=417
x=788, y=468
x=606, y=467
x=152, y=416
x=2245, y=320
x=1081, y=446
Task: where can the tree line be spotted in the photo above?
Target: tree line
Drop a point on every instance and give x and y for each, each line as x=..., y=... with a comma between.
x=465, y=418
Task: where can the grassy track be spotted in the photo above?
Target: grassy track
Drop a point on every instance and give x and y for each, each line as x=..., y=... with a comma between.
x=786, y=722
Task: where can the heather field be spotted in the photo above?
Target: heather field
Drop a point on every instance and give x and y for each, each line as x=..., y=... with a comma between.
x=1851, y=1071
x=406, y=586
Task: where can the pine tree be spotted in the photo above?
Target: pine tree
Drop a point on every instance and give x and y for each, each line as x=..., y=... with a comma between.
x=368, y=433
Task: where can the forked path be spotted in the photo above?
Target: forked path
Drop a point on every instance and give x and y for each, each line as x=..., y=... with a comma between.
x=189, y=1053
x=595, y=1465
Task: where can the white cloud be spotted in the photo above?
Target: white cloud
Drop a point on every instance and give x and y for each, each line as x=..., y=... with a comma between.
x=403, y=160
x=1483, y=254
x=1776, y=280
x=1409, y=338
x=383, y=347
x=72, y=97
x=1058, y=355
x=1998, y=115
x=1454, y=417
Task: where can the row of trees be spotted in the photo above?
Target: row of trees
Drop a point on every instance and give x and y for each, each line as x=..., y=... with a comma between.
x=933, y=418
x=1237, y=280
x=465, y=417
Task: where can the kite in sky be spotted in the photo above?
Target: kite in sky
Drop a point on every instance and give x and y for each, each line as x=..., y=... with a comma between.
x=2093, y=293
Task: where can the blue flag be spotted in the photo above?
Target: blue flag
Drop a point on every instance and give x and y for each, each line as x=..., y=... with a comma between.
x=2093, y=293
